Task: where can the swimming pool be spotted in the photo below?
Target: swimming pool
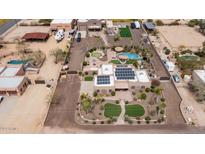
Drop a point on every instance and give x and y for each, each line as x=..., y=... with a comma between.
x=133, y=56
x=17, y=62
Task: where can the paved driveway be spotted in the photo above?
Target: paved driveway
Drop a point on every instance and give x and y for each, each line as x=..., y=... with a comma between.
x=8, y=25
x=79, y=49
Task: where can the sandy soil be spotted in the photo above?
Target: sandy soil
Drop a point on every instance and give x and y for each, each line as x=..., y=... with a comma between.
x=19, y=32
x=182, y=35
x=26, y=113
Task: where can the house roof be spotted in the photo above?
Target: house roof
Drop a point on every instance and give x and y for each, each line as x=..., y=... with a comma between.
x=61, y=21
x=149, y=25
x=9, y=71
x=10, y=82
x=200, y=74
x=36, y=36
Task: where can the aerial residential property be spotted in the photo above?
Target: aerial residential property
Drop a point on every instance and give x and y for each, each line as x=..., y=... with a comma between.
x=102, y=76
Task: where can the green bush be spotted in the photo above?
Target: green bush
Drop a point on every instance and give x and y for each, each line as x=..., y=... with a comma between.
x=85, y=63
x=117, y=101
x=87, y=55
x=147, y=118
x=143, y=96
x=126, y=102
x=95, y=94
x=147, y=90
x=88, y=78
x=113, y=93
x=162, y=99
x=162, y=112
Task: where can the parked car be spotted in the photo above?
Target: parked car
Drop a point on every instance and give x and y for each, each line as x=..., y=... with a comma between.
x=176, y=78
x=132, y=25
x=78, y=37
x=1, y=98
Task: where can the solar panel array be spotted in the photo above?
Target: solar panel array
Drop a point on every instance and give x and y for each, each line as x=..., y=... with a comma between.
x=104, y=79
x=124, y=73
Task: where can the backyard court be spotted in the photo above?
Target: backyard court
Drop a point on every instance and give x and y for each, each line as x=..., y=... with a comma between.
x=177, y=36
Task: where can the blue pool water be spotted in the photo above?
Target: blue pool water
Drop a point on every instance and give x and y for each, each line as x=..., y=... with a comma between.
x=133, y=56
x=17, y=62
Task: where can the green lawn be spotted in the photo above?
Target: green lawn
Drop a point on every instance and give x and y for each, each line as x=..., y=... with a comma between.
x=125, y=32
x=88, y=78
x=96, y=54
x=115, y=62
x=134, y=110
x=112, y=110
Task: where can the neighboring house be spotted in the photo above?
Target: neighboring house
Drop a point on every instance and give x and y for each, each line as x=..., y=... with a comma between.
x=112, y=78
x=199, y=77
x=149, y=26
x=94, y=25
x=65, y=24
x=12, y=80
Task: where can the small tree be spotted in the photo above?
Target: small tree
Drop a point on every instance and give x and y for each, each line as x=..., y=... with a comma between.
x=95, y=93
x=59, y=55
x=155, y=83
x=113, y=93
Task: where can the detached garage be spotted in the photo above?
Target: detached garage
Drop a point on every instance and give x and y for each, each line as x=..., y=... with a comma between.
x=13, y=85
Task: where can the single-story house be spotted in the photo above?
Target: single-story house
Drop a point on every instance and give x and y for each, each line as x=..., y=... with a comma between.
x=113, y=77
x=12, y=80
x=65, y=24
x=35, y=36
x=199, y=77
x=13, y=85
x=149, y=26
x=94, y=25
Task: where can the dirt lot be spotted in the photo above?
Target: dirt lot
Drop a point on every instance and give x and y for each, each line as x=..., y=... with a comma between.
x=19, y=32
x=181, y=35
x=26, y=113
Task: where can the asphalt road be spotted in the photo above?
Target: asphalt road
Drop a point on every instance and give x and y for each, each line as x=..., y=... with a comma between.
x=8, y=25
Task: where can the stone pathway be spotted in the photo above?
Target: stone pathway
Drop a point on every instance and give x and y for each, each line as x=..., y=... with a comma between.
x=120, y=120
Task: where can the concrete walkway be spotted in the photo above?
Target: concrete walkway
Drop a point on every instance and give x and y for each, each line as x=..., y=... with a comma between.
x=105, y=39
x=120, y=120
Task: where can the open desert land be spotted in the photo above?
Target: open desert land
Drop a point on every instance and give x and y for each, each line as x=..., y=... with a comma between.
x=181, y=35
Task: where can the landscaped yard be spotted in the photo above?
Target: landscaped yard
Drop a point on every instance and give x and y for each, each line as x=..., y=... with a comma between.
x=125, y=32
x=134, y=110
x=112, y=110
x=96, y=54
x=88, y=78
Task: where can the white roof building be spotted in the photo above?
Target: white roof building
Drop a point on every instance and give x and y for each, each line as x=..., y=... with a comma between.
x=170, y=66
x=137, y=24
x=10, y=71
x=61, y=21
x=142, y=76
x=106, y=69
x=200, y=74
x=11, y=82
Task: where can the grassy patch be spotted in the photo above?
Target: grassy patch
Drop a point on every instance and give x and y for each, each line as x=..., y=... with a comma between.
x=112, y=110
x=88, y=78
x=96, y=54
x=115, y=62
x=125, y=32
x=86, y=104
x=134, y=110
